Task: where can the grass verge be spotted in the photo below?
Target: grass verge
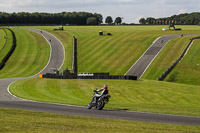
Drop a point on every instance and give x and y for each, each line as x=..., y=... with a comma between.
x=143, y=96
x=2, y=38
x=30, y=56
x=5, y=49
x=19, y=121
x=188, y=70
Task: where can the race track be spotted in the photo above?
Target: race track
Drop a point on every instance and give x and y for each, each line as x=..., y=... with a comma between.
x=56, y=61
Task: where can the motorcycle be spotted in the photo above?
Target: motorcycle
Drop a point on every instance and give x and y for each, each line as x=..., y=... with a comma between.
x=100, y=101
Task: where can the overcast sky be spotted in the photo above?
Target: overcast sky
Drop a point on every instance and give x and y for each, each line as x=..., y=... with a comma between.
x=131, y=10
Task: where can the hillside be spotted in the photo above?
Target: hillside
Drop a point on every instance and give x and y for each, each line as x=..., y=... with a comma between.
x=30, y=56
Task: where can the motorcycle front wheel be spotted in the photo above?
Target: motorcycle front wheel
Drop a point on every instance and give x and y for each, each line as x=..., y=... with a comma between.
x=89, y=106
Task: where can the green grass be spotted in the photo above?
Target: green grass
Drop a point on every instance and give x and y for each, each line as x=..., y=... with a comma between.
x=19, y=121
x=170, y=53
x=2, y=39
x=188, y=70
x=4, y=50
x=114, y=54
x=30, y=56
x=145, y=96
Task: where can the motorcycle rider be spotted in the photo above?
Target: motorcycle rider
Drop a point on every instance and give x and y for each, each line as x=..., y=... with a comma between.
x=103, y=90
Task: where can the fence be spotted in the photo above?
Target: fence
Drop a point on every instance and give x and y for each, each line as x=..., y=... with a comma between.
x=164, y=75
x=74, y=56
x=95, y=76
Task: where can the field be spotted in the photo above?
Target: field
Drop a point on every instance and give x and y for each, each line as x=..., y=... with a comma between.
x=28, y=121
x=116, y=54
x=30, y=56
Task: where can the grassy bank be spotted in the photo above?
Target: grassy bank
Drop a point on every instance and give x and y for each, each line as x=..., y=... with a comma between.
x=28, y=121
x=188, y=70
x=30, y=56
x=145, y=96
x=2, y=38
x=5, y=49
x=170, y=53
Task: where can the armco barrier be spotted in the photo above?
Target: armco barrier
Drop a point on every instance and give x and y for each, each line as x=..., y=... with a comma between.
x=164, y=75
x=74, y=56
x=73, y=76
x=10, y=52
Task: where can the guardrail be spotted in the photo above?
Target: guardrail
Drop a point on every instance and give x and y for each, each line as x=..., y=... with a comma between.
x=3, y=62
x=74, y=56
x=164, y=75
x=95, y=76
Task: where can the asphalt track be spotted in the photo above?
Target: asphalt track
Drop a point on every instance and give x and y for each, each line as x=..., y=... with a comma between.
x=147, y=58
x=56, y=60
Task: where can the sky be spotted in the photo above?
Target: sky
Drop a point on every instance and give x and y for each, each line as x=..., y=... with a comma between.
x=130, y=10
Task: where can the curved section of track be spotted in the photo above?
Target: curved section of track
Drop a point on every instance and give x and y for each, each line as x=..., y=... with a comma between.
x=142, y=64
x=56, y=60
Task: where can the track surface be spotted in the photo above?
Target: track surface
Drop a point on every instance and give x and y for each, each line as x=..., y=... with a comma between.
x=56, y=60
x=146, y=59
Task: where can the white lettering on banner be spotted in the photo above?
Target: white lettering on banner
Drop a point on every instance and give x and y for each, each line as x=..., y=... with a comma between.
x=85, y=74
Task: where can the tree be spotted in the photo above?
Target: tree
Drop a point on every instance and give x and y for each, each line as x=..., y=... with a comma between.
x=91, y=21
x=150, y=20
x=118, y=20
x=99, y=18
x=142, y=21
x=74, y=18
x=109, y=20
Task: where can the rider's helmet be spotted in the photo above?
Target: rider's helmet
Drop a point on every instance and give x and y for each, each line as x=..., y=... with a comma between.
x=106, y=86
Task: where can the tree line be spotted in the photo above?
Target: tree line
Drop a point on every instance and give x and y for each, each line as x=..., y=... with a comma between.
x=64, y=18
x=181, y=19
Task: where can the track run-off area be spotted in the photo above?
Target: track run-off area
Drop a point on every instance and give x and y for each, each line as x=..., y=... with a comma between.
x=56, y=61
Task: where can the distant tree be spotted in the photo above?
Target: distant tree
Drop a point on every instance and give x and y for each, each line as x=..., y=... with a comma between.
x=142, y=21
x=91, y=21
x=75, y=18
x=99, y=18
x=109, y=20
x=150, y=20
x=118, y=20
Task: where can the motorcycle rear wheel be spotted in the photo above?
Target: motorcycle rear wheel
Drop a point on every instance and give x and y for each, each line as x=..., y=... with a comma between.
x=100, y=105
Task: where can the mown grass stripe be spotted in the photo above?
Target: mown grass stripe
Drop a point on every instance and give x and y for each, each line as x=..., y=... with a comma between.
x=102, y=56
